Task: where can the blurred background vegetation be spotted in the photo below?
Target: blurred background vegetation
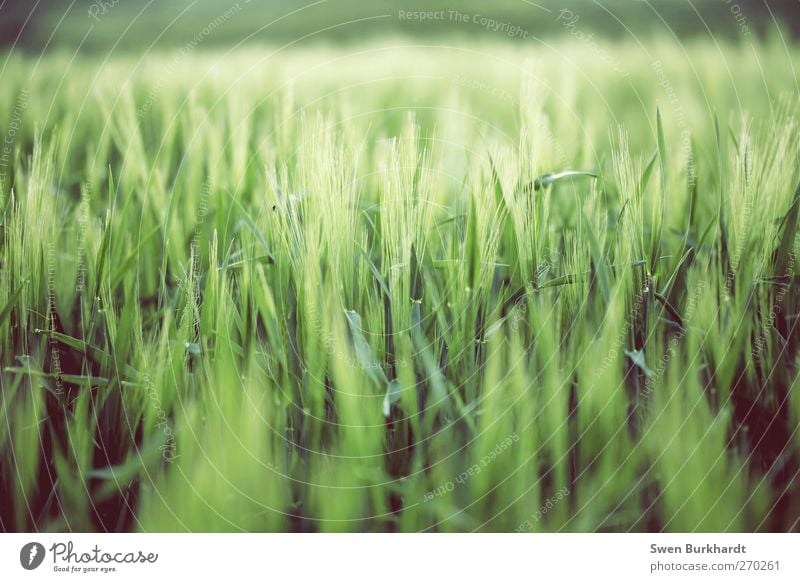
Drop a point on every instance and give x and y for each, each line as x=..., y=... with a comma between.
x=136, y=25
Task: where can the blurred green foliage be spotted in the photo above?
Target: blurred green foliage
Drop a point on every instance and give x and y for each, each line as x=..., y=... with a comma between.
x=135, y=25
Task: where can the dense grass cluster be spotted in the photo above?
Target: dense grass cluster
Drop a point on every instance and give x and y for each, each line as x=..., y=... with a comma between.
x=362, y=290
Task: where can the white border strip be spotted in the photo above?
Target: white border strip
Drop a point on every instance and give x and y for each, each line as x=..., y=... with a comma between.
x=401, y=557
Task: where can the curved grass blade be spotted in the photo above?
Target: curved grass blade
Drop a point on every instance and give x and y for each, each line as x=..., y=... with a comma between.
x=547, y=180
x=12, y=301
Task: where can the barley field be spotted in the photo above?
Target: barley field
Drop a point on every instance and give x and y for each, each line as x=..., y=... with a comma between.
x=401, y=287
